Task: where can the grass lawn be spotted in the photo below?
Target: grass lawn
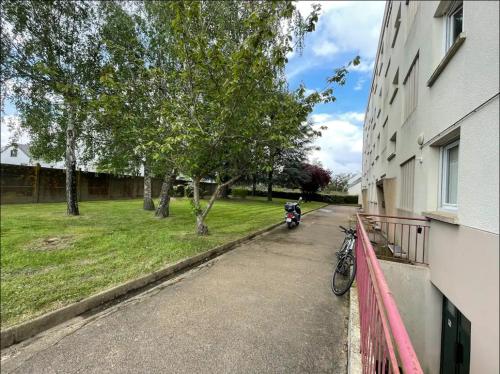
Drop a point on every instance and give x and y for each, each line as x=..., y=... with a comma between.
x=49, y=260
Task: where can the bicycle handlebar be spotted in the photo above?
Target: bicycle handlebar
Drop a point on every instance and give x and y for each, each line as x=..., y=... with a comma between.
x=349, y=230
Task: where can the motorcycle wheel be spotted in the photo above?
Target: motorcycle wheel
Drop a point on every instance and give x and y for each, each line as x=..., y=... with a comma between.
x=290, y=225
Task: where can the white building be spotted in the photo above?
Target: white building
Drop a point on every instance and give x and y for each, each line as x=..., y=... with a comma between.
x=431, y=148
x=354, y=187
x=19, y=154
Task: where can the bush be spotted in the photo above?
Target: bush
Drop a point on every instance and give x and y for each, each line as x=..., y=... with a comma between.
x=294, y=196
x=239, y=192
x=351, y=199
x=179, y=190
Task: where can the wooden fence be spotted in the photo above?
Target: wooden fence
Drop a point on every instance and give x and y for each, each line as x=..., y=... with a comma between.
x=34, y=184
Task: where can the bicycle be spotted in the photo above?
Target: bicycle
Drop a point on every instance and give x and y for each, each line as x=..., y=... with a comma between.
x=345, y=271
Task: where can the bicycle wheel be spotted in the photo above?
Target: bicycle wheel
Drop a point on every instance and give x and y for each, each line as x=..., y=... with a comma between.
x=344, y=274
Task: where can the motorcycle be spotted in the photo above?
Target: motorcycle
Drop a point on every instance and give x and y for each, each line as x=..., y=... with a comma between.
x=292, y=213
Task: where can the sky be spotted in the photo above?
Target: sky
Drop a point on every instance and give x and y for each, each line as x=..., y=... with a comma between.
x=345, y=29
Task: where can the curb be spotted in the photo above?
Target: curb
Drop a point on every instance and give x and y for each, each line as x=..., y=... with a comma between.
x=28, y=329
x=354, y=365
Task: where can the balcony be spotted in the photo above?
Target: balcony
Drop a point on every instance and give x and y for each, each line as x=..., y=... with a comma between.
x=400, y=239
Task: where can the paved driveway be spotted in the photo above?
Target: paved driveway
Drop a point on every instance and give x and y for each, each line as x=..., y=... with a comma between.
x=265, y=307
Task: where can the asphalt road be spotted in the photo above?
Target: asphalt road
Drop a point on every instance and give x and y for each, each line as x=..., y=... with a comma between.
x=265, y=307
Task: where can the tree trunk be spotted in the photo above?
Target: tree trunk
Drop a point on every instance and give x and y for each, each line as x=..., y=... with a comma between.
x=224, y=193
x=148, y=199
x=163, y=209
x=254, y=184
x=71, y=184
x=201, y=228
x=270, y=185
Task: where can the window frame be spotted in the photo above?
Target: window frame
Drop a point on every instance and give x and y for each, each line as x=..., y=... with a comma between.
x=13, y=152
x=411, y=88
x=449, y=24
x=443, y=177
x=407, y=185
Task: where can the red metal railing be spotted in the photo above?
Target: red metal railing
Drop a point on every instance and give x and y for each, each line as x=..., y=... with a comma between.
x=385, y=344
x=398, y=238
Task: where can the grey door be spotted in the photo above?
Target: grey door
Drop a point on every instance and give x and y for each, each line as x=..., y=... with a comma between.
x=455, y=340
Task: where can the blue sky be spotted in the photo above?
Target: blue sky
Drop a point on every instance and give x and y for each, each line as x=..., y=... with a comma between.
x=345, y=29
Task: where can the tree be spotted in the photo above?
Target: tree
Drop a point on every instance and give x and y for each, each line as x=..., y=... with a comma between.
x=340, y=182
x=292, y=175
x=317, y=178
x=229, y=56
x=302, y=139
x=135, y=76
x=51, y=51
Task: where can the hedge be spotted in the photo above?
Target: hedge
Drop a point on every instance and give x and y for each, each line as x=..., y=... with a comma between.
x=292, y=196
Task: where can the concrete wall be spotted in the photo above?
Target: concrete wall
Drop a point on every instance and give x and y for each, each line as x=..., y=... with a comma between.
x=420, y=305
x=464, y=265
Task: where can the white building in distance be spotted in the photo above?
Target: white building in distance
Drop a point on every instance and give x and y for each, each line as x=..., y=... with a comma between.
x=19, y=154
x=354, y=187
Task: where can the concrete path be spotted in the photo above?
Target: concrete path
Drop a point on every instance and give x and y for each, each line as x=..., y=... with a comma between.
x=265, y=307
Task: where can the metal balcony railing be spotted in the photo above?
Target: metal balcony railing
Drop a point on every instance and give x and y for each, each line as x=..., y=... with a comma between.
x=385, y=344
x=396, y=238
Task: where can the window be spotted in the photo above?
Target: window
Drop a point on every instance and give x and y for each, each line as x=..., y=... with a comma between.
x=13, y=152
x=449, y=175
x=378, y=147
x=397, y=23
x=395, y=83
x=407, y=183
x=454, y=23
x=392, y=147
x=411, y=12
x=384, y=134
x=411, y=90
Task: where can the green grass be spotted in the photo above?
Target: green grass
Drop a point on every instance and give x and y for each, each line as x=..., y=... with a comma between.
x=111, y=242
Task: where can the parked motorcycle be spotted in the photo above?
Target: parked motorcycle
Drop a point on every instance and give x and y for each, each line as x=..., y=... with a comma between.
x=293, y=213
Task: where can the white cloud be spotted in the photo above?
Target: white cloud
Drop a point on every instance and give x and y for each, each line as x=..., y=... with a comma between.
x=354, y=26
x=341, y=143
x=366, y=65
x=325, y=48
x=309, y=91
x=358, y=117
x=346, y=28
x=359, y=84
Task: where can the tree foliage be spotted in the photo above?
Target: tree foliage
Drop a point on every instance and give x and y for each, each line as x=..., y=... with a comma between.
x=340, y=182
x=317, y=178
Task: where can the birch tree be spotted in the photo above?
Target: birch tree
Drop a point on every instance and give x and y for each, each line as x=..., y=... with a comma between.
x=51, y=50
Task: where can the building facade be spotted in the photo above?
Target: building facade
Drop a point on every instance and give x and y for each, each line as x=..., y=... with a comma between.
x=354, y=187
x=19, y=154
x=431, y=149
